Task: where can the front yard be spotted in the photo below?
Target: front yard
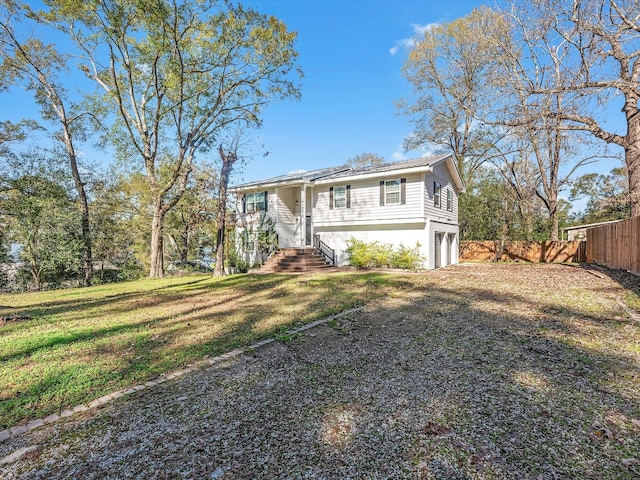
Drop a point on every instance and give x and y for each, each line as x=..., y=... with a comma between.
x=85, y=343
x=470, y=372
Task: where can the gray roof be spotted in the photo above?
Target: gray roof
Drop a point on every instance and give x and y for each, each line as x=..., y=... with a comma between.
x=341, y=171
x=591, y=225
x=388, y=167
x=294, y=177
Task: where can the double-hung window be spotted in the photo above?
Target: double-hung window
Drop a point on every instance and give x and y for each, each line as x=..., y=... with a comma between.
x=340, y=196
x=392, y=192
x=437, y=193
x=449, y=200
x=255, y=202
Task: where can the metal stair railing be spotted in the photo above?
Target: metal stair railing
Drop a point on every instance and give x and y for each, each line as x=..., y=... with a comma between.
x=328, y=252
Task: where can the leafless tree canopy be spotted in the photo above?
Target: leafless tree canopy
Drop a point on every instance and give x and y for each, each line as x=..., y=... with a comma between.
x=587, y=54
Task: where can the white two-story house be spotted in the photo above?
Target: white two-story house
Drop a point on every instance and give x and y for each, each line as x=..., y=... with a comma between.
x=409, y=202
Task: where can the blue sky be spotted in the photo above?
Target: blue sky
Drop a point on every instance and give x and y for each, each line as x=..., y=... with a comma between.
x=351, y=53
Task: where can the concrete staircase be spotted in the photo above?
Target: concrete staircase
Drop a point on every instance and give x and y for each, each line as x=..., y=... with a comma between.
x=296, y=260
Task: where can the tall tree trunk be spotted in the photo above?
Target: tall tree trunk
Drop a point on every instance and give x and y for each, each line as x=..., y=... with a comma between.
x=550, y=201
x=228, y=160
x=87, y=257
x=157, y=245
x=37, y=282
x=555, y=222
x=36, y=274
x=632, y=159
x=631, y=145
x=184, y=251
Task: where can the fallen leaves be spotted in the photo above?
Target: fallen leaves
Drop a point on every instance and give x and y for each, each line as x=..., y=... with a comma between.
x=600, y=432
x=493, y=372
x=432, y=428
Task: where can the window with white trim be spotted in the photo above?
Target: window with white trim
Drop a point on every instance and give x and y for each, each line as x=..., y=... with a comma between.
x=255, y=202
x=340, y=197
x=449, y=200
x=392, y=192
x=437, y=193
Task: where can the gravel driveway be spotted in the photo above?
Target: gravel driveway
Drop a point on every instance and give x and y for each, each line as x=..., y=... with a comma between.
x=489, y=372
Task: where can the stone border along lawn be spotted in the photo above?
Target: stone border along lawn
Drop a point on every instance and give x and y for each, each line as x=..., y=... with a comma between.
x=483, y=372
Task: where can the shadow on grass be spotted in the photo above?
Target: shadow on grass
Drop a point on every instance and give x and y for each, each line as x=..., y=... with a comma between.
x=188, y=321
x=511, y=376
x=122, y=303
x=626, y=279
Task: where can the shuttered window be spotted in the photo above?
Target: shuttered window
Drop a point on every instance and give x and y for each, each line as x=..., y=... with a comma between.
x=393, y=192
x=340, y=197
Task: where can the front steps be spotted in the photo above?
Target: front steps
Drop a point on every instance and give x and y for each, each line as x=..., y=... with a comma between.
x=296, y=260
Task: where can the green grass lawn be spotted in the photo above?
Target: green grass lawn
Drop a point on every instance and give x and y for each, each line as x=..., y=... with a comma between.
x=85, y=343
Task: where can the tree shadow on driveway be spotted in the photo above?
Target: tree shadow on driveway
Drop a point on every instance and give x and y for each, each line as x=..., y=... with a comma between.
x=481, y=372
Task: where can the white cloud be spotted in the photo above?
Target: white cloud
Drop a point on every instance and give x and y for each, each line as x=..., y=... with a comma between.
x=422, y=29
x=296, y=172
x=397, y=156
x=408, y=43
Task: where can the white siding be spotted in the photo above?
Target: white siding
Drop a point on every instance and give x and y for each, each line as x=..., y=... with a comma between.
x=401, y=234
x=441, y=214
x=365, y=204
x=245, y=220
x=448, y=255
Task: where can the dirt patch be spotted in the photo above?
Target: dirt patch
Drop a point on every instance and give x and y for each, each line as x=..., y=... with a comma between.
x=13, y=318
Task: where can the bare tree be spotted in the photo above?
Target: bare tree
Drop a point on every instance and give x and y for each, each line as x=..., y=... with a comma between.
x=365, y=160
x=530, y=62
x=521, y=181
x=545, y=150
x=594, y=48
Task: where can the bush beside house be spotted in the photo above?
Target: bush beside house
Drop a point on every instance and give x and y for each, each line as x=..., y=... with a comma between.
x=379, y=255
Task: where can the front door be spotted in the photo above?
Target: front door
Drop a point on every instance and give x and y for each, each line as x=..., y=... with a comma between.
x=288, y=217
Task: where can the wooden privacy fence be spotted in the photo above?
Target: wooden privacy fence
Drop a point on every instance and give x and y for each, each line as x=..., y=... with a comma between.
x=545, y=252
x=616, y=245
